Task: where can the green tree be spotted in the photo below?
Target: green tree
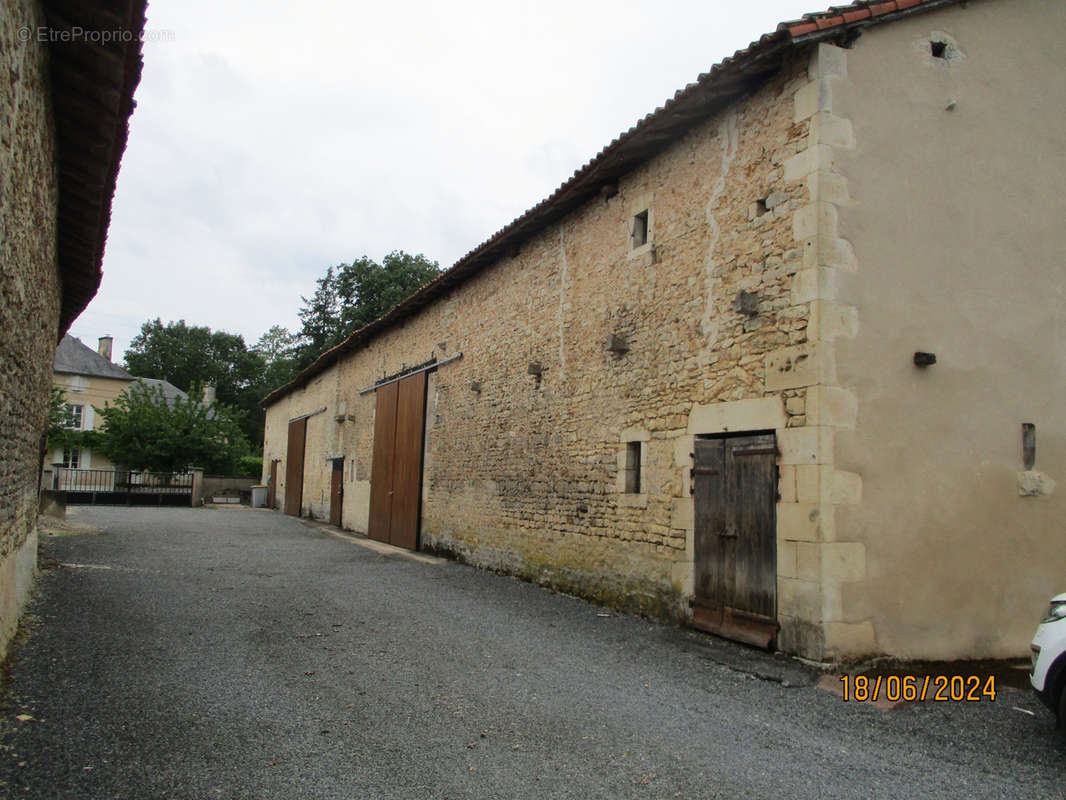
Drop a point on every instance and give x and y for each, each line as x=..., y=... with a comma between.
x=369, y=290
x=277, y=344
x=350, y=296
x=320, y=317
x=59, y=434
x=57, y=419
x=190, y=354
x=142, y=431
x=280, y=351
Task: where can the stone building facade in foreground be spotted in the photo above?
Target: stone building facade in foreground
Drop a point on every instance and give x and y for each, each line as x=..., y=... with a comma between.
x=64, y=107
x=764, y=365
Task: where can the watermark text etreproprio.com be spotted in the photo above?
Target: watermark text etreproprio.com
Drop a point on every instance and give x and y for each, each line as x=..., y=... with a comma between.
x=77, y=33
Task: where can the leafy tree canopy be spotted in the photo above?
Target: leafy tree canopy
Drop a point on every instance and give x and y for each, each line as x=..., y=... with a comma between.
x=280, y=351
x=368, y=290
x=350, y=296
x=187, y=355
x=143, y=431
x=61, y=433
x=346, y=298
x=276, y=344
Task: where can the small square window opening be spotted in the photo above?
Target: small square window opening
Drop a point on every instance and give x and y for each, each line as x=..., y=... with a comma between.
x=633, y=476
x=640, y=229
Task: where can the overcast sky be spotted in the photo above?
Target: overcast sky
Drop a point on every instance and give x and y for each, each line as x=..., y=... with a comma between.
x=274, y=139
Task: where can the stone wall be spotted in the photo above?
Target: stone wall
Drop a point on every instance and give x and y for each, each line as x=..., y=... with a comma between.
x=29, y=295
x=525, y=473
x=949, y=195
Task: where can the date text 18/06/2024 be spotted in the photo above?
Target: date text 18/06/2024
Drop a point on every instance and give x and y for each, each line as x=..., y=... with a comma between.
x=938, y=688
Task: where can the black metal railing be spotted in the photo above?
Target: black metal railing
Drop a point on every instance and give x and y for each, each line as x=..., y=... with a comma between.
x=123, y=487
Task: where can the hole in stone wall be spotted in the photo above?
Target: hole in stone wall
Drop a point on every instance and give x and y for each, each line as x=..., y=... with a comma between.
x=760, y=207
x=938, y=49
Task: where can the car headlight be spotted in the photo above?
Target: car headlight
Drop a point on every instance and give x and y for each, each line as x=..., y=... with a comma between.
x=1056, y=611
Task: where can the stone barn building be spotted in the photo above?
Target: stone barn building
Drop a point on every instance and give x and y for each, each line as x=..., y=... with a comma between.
x=784, y=361
x=64, y=104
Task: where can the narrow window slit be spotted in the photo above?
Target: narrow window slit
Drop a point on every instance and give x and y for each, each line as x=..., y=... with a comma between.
x=633, y=477
x=640, y=229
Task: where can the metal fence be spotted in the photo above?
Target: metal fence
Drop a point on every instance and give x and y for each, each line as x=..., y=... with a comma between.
x=123, y=487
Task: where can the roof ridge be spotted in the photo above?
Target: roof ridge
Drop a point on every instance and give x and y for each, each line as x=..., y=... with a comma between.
x=689, y=105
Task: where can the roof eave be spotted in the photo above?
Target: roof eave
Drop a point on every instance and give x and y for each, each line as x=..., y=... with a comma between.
x=92, y=87
x=655, y=132
x=759, y=60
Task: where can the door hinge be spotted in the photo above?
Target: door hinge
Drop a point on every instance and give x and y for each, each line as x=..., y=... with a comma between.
x=692, y=473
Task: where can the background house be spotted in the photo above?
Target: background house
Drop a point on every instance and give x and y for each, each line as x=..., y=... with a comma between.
x=780, y=362
x=90, y=380
x=64, y=108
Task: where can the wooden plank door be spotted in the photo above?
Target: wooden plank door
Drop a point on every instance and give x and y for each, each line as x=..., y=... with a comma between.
x=336, y=492
x=407, y=463
x=294, y=467
x=734, y=490
x=382, y=466
x=396, y=473
x=272, y=492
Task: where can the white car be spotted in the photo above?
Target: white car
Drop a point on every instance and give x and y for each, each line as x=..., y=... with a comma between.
x=1049, y=659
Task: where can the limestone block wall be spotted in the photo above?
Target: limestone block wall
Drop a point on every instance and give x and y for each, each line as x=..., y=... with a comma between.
x=525, y=473
x=29, y=296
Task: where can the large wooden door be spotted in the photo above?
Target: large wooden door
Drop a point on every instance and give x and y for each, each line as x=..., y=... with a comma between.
x=734, y=489
x=382, y=465
x=336, y=492
x=294, y=466
x=272, y=493
x=396, y=473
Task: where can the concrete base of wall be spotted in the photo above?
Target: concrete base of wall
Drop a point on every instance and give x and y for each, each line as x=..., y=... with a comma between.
x=17, y=574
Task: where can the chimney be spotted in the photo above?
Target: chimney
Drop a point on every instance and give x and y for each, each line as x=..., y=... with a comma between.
x=209, y=394
x=104, y=348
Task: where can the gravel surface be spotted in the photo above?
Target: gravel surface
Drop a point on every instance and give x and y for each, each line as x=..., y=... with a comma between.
x=195, y=654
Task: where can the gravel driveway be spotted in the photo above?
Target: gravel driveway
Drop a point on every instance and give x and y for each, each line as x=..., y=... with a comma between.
x=196, y=654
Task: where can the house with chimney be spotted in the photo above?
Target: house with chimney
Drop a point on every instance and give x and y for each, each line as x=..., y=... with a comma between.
x=90, y=380
x=782, y=362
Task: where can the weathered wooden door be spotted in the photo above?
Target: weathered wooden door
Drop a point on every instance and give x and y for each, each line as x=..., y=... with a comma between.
x=734, y=488
x=294, y=466
x=396, y=473
x=336, y=492
x=272, y=492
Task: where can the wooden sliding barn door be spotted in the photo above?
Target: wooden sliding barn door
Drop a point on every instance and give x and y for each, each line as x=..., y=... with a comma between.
x=294, y=467
x=396, y=473
x=734, y=490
